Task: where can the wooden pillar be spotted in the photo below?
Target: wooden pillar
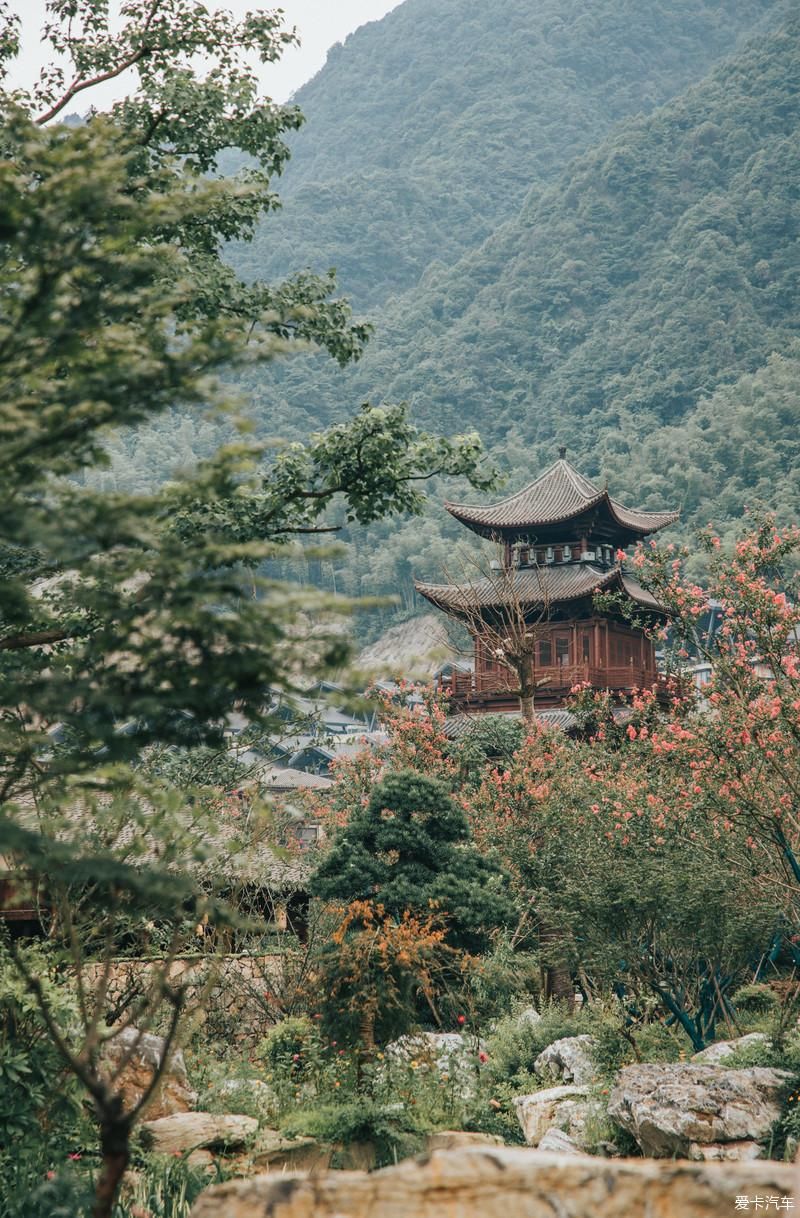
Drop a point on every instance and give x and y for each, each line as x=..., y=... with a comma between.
x=642, y=659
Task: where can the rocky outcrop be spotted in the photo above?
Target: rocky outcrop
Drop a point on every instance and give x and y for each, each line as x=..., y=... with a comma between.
x=569, y=1060
x=174, y=1094
x=501, y=1182
x=721, y=1049
x=198, y=1130
x=541, y=1110
x=555, y=1140
x=674, y=1109
x=725, y=1152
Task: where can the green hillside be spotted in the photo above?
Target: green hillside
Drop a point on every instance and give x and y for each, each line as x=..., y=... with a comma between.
x=641, y=306
x=428, y=128
x=662, y=265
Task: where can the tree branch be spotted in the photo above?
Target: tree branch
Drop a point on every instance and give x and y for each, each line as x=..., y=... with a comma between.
x=79, y=85
x=34, y=638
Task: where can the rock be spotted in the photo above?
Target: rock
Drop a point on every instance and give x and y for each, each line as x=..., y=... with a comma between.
x=442, y=1048
x=174, y=1094
x=202, y=1160
x=716, y=1152
x=453, y=1139
x=198, y=1130
x=558, y=1141
x=668, y=1107
x=542, y=1109
x=448, y=1052
x=273, y=1152
x=248, y=1086
x=572, y=1117
x=530, y=1016
x=721, y=1049
x=568, y=1059
x=505, y=1182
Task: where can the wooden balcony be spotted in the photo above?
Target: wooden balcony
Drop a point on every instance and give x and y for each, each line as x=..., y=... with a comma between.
x=555, y=683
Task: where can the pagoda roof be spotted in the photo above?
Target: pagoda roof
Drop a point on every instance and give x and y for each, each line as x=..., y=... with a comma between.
x=557, y=496
x=549, y=585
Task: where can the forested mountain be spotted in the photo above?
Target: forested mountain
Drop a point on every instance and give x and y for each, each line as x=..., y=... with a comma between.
x=660, y=266
x=429, y=128
x=637, y=298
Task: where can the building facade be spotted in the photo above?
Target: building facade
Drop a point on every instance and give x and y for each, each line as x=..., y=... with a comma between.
x=532, y=610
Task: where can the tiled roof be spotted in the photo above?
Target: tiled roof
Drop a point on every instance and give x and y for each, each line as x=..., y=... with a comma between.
x=287, y=779
x=557, y=495
x=536, y=586
x=457, y=727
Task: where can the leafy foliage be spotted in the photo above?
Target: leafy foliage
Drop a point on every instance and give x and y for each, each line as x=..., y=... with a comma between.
x=409, y=850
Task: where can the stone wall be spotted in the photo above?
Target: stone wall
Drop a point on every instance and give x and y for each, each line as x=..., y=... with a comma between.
x=508, y=1182
x=225, y=992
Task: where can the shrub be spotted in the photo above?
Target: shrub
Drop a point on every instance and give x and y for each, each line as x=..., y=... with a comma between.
x=516, y=1043
x=392, y=1128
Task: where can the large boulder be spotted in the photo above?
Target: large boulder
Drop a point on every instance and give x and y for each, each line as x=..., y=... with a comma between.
x=453, y=1055
x=670, y=1108
x=541, y=1110
x=502, y=1181
x=568, y=1060
x=721, y=1049
x=146, y=1052
x=197, y=1131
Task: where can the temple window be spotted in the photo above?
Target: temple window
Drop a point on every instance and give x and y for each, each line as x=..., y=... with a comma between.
x=562, y=651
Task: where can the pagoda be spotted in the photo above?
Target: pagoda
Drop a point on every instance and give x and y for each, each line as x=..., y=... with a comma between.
x=560, y=541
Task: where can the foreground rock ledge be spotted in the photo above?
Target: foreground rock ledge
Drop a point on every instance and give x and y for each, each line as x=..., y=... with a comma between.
x=497, y=1183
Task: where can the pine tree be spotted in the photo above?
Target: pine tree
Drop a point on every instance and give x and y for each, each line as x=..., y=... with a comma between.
x=410, y=850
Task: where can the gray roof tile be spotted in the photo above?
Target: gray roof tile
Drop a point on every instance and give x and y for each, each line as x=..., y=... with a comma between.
x=558, y=495
x=536, y=586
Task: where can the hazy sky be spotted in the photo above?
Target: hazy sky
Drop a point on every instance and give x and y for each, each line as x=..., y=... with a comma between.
x=319, y=23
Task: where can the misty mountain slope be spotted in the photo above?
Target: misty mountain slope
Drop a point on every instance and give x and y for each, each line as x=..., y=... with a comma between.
x=662, y=263
x=428, y=128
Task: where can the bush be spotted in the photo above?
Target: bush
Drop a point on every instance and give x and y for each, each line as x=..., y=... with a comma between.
x=755, y=999
x=516, y=1043
x=393, y=1129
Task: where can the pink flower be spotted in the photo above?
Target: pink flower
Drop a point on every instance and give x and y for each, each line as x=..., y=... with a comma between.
x=461, y=1020
x=483, y=1057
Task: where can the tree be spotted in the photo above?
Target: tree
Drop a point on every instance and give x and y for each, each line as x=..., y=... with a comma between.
x=376, y=969
x=405, y=865
x=133, y=620
x=506, y=625
x=741, y=749
x=604, y=842
x=409, y=849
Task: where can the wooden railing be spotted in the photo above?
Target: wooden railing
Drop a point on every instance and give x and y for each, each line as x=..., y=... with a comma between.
x=561, y=677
